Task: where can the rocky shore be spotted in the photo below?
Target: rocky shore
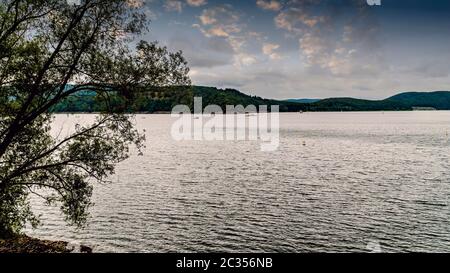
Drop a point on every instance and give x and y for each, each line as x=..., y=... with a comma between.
x=27, y=245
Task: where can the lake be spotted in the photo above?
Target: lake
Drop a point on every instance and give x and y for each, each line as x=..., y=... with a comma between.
x=339, y=182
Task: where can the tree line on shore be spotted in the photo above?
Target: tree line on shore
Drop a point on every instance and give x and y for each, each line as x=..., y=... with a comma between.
x=163, y=99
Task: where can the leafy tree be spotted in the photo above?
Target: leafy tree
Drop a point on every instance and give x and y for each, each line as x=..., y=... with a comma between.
x=51, y=50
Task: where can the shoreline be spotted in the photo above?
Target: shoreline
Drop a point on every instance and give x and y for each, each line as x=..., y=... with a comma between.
x=23, y=244
x=305, y=112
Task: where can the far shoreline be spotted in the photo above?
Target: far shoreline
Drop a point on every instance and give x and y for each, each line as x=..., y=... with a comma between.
x=305, y=112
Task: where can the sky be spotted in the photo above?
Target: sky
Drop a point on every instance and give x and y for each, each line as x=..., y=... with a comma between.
x=287, y=49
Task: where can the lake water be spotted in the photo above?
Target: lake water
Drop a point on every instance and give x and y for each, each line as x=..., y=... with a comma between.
x=340, y=182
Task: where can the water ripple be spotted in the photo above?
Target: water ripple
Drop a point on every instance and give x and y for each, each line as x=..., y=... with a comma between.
x=359, y=178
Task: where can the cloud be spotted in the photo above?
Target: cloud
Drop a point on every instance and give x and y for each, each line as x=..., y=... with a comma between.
x=218, y=31
x=173, y=5
x=224, y=22
x=224, y=15
x=135, y=3
x=269, y=50
x=339, y=40
x=309, y=48
x=430, y=68
x=221, y=21
x=196, y=3
x=244, y=59
x=207, y=19
x=269, y=4
x=296, y=19
x=213, y=52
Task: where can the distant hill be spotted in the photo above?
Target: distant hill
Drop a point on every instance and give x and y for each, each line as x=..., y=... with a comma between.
x=162, y=99
x=439, y=100
x=224, y=97
x=402, y=102
x=350, y=104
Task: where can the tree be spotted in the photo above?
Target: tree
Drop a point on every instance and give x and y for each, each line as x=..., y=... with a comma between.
x=51, y=50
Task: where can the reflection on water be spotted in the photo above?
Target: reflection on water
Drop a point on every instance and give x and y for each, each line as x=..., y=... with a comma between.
x=340, y=182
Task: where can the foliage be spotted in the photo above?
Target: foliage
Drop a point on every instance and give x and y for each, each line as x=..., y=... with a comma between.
x=439, y=100
x=54, y=53
x=162, y=99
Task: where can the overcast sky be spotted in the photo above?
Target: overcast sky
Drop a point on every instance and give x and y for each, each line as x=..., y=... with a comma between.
x=309, y=48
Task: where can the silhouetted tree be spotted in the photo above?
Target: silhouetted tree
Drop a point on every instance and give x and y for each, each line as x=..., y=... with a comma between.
x=51, y=50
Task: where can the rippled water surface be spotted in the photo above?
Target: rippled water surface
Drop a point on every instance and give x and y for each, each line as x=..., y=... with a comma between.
x=339, y=182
